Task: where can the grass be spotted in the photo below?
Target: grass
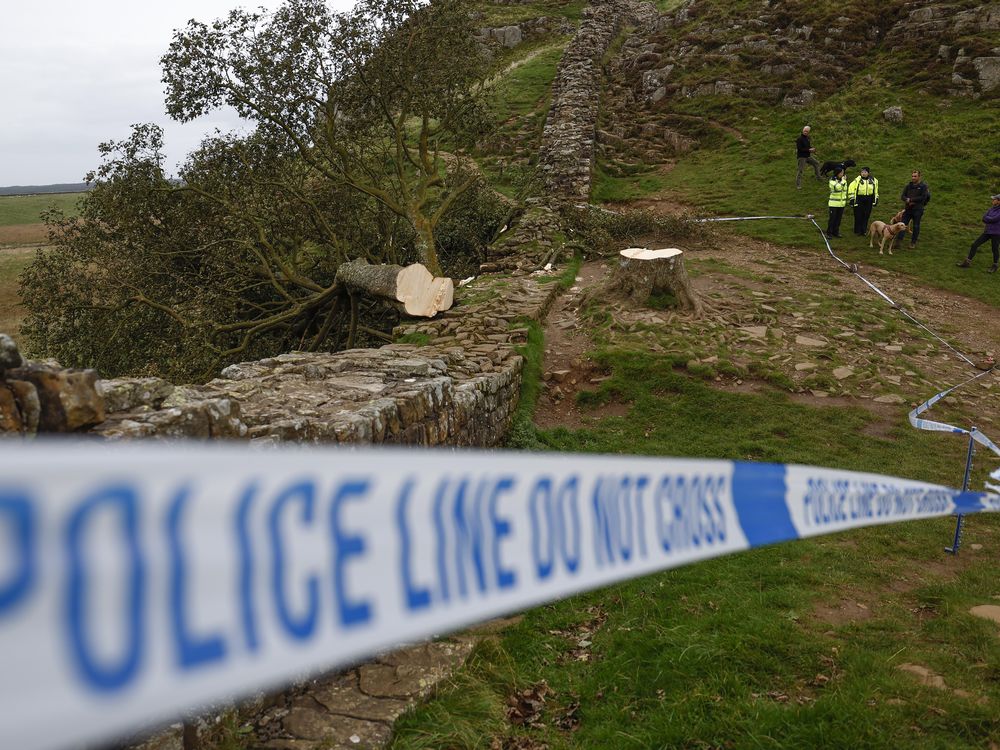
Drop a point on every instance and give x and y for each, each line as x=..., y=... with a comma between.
x=503, y=15
x=522, y=432
x=735, y=652
x=12, y=262
x=525, y=87
x=730, y=655
x=611, y=188
x=28, y=209
x=758, y=178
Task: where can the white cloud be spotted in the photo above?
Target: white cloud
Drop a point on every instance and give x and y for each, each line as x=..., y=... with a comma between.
x=73, y=75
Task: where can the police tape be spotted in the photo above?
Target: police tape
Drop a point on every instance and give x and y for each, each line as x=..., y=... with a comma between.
x=929, y=424
x=145, y=582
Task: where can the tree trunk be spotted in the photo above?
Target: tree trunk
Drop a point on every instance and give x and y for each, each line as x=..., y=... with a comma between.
x=643, y=273
x=426, y=245
x=413, y=288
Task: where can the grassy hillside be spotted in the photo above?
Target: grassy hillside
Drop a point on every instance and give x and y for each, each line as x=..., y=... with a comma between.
x=948, y=141
x=802, y=645
x=21, y=228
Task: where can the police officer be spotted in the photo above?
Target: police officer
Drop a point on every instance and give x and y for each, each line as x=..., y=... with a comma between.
x=862, y=194
x=837, y=202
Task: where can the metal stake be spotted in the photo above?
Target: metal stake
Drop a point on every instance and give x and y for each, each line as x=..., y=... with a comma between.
x=953, y=549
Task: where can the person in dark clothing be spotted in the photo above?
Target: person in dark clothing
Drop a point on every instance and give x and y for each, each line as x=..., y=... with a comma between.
x=862, y=193
x=992, y=233
x=916, y=195
x=804, y=151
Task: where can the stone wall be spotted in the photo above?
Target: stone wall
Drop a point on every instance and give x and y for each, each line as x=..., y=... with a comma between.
x=566, y=155
x=459, y=387
x=533, y=28
x=568, y=143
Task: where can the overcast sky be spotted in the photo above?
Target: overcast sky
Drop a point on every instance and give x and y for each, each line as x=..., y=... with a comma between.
x=74, y=74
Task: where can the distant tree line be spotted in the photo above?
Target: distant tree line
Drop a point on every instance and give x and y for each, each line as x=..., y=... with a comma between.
x=70, y=187
x=363, y=122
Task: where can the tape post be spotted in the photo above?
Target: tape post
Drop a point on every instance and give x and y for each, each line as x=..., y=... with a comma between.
x=153, y=580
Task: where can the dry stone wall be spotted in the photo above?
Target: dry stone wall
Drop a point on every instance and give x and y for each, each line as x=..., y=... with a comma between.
x=459, y=387
x=567, y=149
x=566, y=155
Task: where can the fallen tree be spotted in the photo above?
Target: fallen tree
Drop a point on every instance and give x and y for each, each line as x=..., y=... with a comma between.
x=358, y=154
x=416, y=290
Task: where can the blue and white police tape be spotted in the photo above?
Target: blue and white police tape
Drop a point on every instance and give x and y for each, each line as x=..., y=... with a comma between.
x=141, y=582
x=929, y=424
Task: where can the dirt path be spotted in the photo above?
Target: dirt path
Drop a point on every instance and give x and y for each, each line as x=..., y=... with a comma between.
x=514, y=65
x=566, y=366
x=773, y=304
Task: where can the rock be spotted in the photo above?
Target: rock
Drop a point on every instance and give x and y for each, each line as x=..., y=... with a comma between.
x=987, y=611
x=756, y=332
x=68, y=398
x=306, y=723
x=893, y=114
x=988, y=70
x=841, y=373
x=803, y=366
x=26, y=396
x=802, y=99
x=10, y=415
x=811, y=342
x=10, y=357
x=126, y=394
x=509, y=36
x=891, y=398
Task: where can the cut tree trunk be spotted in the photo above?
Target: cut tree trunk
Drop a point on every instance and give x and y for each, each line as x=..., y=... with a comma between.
x=413, y=288
x=643, y=273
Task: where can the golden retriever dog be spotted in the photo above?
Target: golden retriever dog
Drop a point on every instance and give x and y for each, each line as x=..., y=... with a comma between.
x=885, y=232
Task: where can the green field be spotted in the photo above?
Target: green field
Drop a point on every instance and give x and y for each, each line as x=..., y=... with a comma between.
x=12, y=262
x=28, y=209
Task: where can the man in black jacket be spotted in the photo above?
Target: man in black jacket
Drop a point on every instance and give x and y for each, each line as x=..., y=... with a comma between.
x=805, y=151
x=916, y=195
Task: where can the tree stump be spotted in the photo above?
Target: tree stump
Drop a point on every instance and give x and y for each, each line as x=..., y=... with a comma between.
x=642, y=273
x=413, y=288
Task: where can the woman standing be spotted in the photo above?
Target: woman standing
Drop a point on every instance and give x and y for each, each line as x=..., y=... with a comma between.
x=863, y=195
x=837, y=202
x=992, y=233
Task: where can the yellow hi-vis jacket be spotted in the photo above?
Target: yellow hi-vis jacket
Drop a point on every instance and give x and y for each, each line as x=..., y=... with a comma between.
x=838, y=192
x=861, y=187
